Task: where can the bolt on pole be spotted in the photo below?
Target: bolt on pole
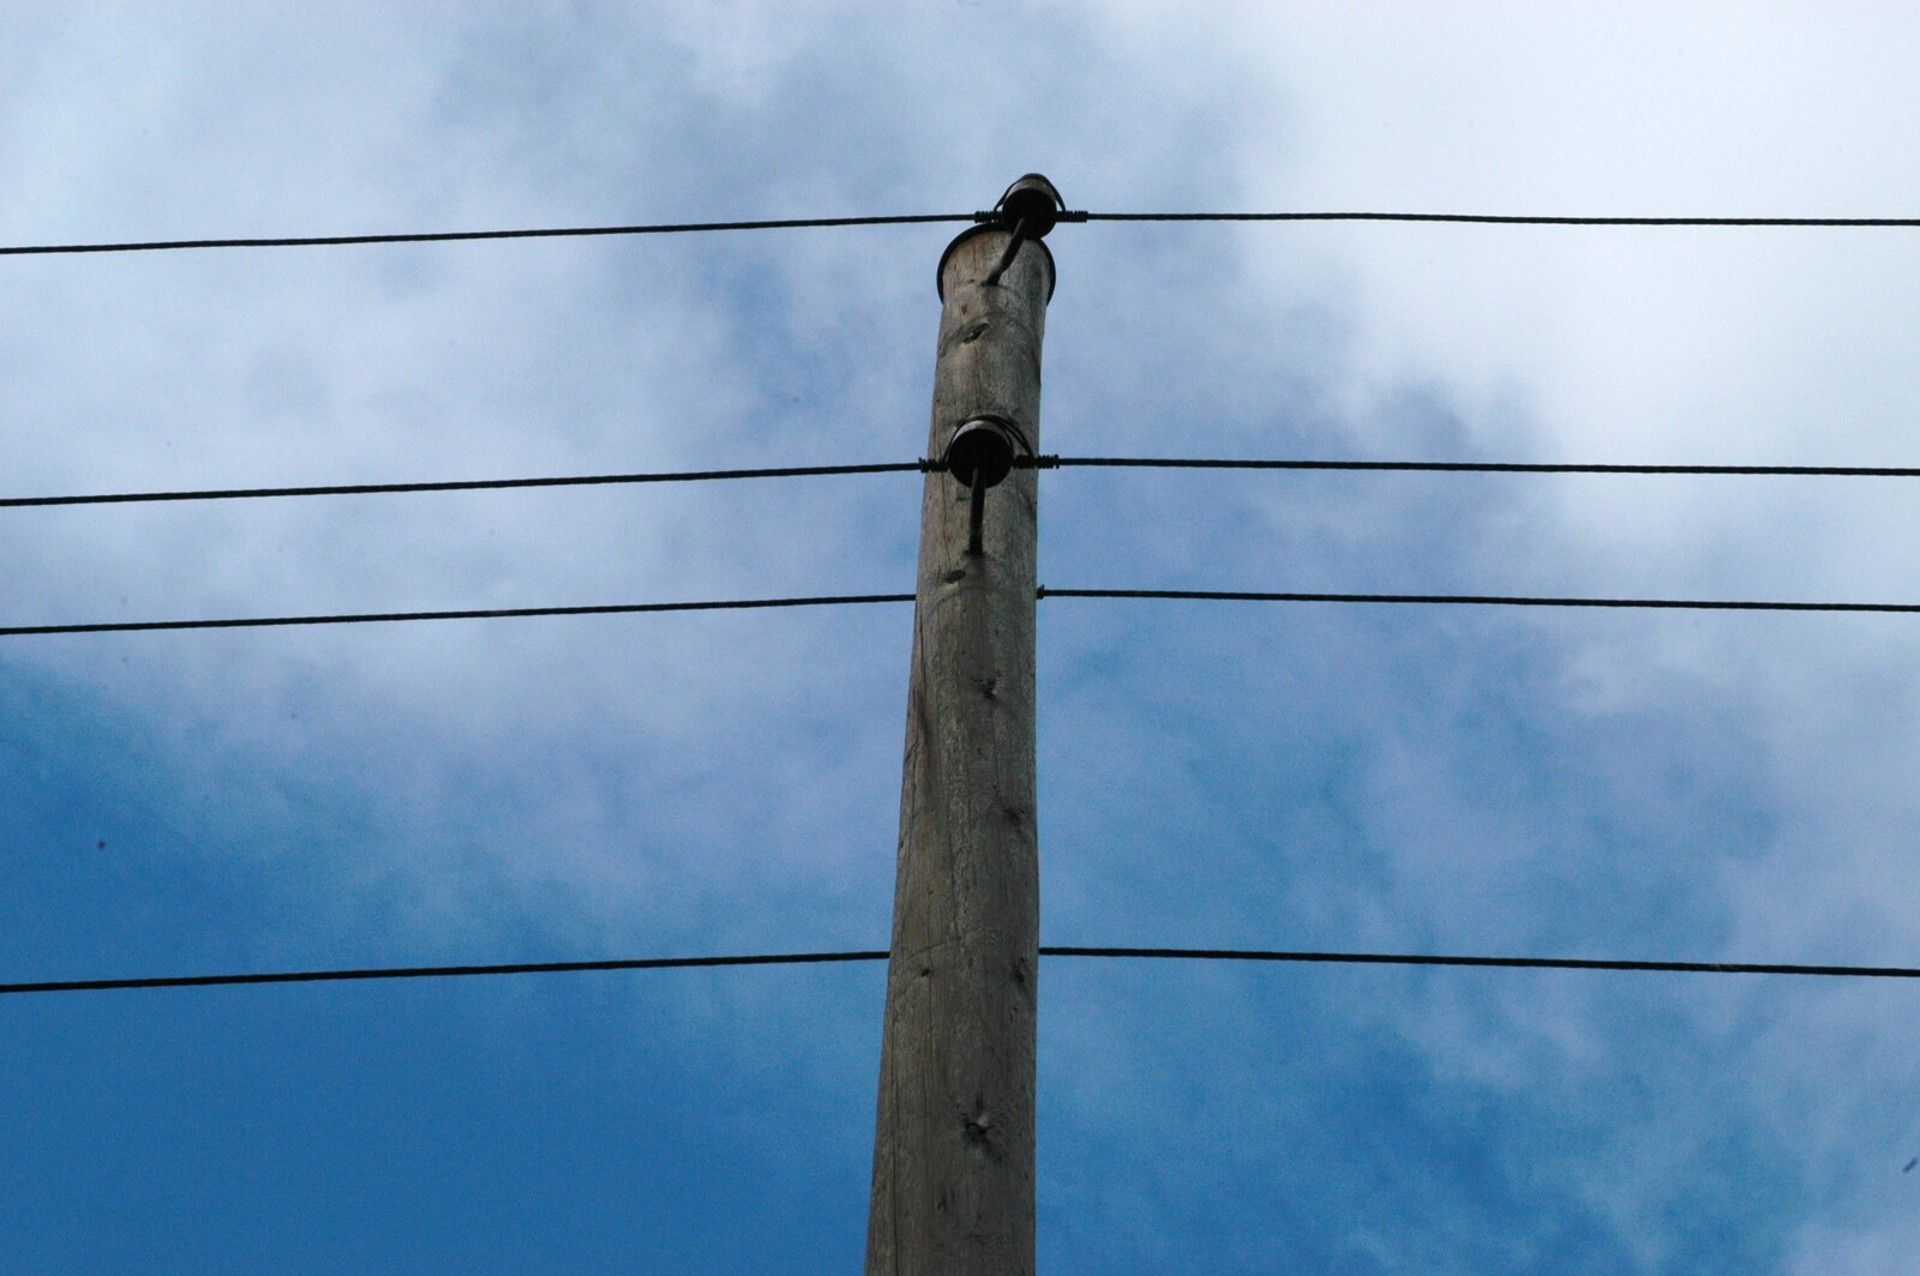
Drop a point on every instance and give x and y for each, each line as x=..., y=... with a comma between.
x=953, y=1162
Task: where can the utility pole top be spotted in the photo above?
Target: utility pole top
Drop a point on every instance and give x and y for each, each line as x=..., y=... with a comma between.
x=1028, y=210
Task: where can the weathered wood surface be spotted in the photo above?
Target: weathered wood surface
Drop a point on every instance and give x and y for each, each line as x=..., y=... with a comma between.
x=953, y=1177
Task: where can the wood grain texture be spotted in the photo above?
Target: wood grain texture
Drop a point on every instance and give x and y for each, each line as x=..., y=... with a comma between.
x=953, y=1177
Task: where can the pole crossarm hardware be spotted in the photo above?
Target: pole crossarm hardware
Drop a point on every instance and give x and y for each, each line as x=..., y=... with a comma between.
x=953, y=1161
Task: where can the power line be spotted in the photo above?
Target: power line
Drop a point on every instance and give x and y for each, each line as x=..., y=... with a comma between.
x=459, y=236
x=1471, y=600
x=797, y=223
x=841, y=600
x=431, y=972
x=494, y=613
x=928, y=466
x=460, y=485
x=1471, y=467
x=1505, y=963
x=821, y=958
x=1496, y=219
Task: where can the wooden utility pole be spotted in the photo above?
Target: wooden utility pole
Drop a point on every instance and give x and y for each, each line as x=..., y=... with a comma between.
x=953, y=1161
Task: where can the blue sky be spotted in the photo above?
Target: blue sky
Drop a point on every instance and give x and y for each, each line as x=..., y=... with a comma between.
x=1635, y=785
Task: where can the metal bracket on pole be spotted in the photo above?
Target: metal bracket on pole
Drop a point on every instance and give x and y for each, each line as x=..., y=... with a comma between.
x=1014, y=241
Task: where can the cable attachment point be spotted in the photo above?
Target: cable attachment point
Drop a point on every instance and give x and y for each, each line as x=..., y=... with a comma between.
x=981, y=453
x=1032, y=200
x=1031, y=207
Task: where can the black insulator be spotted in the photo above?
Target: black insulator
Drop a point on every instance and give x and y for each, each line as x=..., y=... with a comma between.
x=981, y=452
x=1032, y=200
